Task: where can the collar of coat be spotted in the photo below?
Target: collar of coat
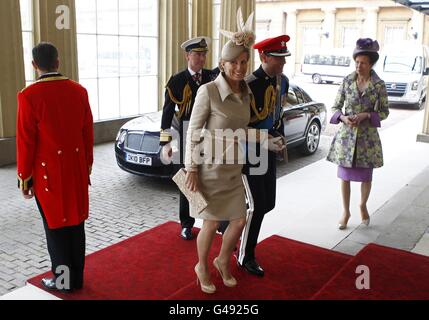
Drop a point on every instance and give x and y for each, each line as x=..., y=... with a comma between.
x=261, y=74
x=225, y=90
x=373, y=81
x=51, y=76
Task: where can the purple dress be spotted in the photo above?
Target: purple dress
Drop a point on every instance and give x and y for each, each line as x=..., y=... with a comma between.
x=355, y=173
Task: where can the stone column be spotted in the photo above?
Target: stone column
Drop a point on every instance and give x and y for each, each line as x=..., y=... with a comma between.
x=418, y=26
x=202, y=23
x=228, y=20
x=371, y=23
x=328, y=31
x=291, y=62
x=424, y=136
x=12, y=75
x=173, y=32
x=55, y=22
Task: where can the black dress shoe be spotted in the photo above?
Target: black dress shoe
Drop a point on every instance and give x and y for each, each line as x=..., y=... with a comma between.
x=50, y=284
x=253, y=267
x=187, y=234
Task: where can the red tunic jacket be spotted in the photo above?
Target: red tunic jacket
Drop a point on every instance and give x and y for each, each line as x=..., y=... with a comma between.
x=55, y=148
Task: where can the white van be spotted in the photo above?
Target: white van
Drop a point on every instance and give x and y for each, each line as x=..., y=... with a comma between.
x=405, y=70
x=329, y=67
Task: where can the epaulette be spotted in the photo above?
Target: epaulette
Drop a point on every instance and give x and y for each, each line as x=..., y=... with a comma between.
x=185, y=104
x=269, y=105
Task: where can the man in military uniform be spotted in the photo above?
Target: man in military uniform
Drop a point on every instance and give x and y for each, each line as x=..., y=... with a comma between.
x=54, y=159
x=269, y=87
x=180, y=94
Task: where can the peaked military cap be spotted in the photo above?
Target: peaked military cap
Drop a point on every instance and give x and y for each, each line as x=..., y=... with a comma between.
x=198, y=44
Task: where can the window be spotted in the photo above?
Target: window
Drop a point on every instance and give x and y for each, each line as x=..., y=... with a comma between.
x=216, y=28
x=263, y=28
x=350, y=34
x=118, y=55
x=307, y=98
x=327, y=60
x=311, y=39
x=263, y=31
x=403, y=64
x=394, y=34
x=292, y=99
x=27, y=38
x=299, y=96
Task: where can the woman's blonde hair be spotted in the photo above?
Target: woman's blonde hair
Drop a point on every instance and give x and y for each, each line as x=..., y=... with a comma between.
x=221, y=60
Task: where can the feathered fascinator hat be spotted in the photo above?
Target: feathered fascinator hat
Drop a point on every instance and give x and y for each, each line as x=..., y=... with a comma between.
x=366, y=45
x=239, y=41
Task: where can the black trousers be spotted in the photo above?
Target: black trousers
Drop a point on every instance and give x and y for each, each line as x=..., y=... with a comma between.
x=66, y=247
x=185, y=219
x=263, y=189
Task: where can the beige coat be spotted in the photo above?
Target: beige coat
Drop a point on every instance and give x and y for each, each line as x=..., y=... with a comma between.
x=216, y=107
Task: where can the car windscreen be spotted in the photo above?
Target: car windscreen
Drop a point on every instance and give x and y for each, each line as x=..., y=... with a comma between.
x=402, y=64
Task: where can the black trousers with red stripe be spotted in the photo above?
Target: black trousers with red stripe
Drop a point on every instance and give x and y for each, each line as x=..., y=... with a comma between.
x=66, y=247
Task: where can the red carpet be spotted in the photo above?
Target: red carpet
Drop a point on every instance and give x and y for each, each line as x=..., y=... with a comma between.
x=394, y=275
x=157, y=264
x=149, y=266
x=294, y=270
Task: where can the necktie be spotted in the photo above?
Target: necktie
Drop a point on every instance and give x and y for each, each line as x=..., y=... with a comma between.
x=197, y=77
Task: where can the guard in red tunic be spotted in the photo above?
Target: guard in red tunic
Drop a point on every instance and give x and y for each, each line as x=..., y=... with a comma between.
x=54, y=159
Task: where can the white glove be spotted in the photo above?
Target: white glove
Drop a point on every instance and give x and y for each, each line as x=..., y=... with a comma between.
x=166, y=154
x=276, y=144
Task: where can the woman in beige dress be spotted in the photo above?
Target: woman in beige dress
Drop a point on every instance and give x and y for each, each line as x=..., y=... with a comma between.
x=222, y=104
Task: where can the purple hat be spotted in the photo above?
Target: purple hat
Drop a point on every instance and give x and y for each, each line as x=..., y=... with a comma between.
x=366, y=45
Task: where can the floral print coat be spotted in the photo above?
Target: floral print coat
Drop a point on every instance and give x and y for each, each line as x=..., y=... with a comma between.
x=360, y=146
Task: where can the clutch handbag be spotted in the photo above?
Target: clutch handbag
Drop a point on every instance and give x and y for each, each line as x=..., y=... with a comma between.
x=196, y=199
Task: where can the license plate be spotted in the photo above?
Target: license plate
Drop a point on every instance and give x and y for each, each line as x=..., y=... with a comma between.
x=139, y=159
x=394, y=99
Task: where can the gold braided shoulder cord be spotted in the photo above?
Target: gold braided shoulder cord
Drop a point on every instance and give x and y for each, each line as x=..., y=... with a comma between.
x=269, y=104
x=185, y=104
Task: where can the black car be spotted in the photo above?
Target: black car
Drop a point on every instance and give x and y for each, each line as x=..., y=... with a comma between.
x=137, y=144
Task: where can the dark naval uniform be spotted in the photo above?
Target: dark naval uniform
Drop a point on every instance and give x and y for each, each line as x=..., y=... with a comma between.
x=266, y=108
x=180, y=94
x=54, y=157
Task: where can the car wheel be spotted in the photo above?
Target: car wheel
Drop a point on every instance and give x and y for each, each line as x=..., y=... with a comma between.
x=312, y=139
x=317, y=78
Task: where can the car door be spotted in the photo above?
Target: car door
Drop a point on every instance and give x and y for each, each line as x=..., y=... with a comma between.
x=295, y=115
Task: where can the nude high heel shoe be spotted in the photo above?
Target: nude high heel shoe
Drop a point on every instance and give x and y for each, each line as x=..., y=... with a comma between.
x=210, y=288
x=343, y=223
x=231, y=282
x=366, y=221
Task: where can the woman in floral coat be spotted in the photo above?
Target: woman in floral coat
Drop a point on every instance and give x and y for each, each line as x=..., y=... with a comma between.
x=360, y=105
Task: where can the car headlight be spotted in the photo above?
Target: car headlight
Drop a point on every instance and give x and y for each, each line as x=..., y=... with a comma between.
x=415, y=85
x=120, y=139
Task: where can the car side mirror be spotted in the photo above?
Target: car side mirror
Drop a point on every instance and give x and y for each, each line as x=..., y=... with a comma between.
x=426, y=72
